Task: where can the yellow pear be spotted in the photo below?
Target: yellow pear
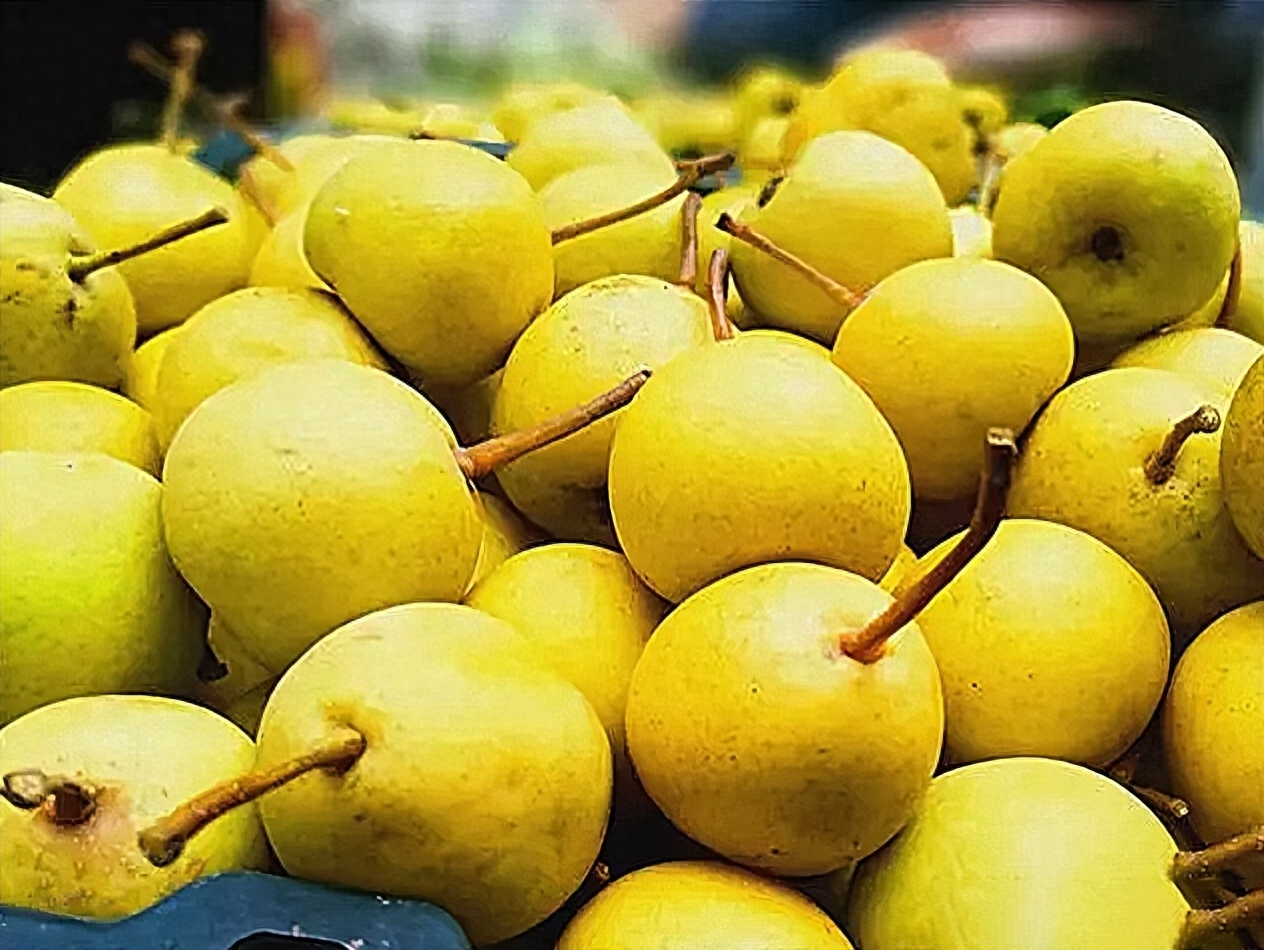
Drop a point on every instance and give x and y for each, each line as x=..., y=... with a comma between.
x=423, y=265
x=469, y=407
x=456, y=120
x=245, y=333
x=1213, y=729
x=688, y=123
x=281, y=261
x=520, y=105
x=505, y=534
x=762, y=92
x=315, y=158
x=1207, y=315
x=947, y=349
x=700, y=905
x=1242, y=458
x=233, y=675
x=971, y=232
x=125, y=193
x=581, y=346
x=733, y=200
x=1215, y=357
x=98, y=769
x=89, y=601
x=760, y=153
x=599, y=132
x=856, y=207
x=1248, y=316
x=900, y=568
x=140, y=384
x=984, y=108
x=75, y=417
x=1128, y=211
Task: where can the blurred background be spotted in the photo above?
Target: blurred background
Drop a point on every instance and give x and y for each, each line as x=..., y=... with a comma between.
x=386, y=65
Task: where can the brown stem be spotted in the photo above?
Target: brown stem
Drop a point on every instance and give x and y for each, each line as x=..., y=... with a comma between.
x=1217, y=857
x=187, y=46
x=867, y=644
x=1233, y=293
x=989, y=175
x=249, y=188
x=717, y=295
x=843, y=296
x=689, y=240
x=164, y=840
x=81, y=267
x=63, y=801
x=690, y=174
x=1161, y=464
x=1200, y=925
x=482, y=459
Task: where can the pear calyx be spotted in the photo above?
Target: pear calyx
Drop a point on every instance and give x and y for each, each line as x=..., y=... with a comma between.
x=1107, y=244
x=717, y=295
x=844, y=296
x=81, y=267
x=690, y=173
x=482, y=459
x=62, y=800
x=1200, y=925
x=1161, y=464
x=689, y=240
x=1217, y=857
x=867, y=644
x=164, y=840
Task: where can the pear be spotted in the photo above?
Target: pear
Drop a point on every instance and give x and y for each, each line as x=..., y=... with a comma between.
x=1247, y=315
x=586, y=342
x=760, y=153
x=1207, y=315
x=281, y=261
x=417, y=262
x=1215, y=357
x=456, y=120
x=248, y=332
x=505, y=534
x=906, y=97
x=595, y=133
x=985, y=110
x=140, y=382
x=321, y=490
x=313, y=160
x=699, y=905
x=946, y=348
x=733, y=200
x=762, y=92
x=1242, y=458
x=991, y=842
x=89, y=601
x=521, y=104
x=971, y=232
x=853, y=205
x=587, y=614
x=83, y=776
x=688, y=122
x=1213, y=733
x=74, y=417
x=428, y=724
x=1131, y=456
x=789, y=716
x=1048, y=643
x=1128, y=211
x=900, y=568
x=469, y=407
x=123, y=193
x=232, y=681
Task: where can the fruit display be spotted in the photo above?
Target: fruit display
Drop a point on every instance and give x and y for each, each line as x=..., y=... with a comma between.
x=807, y=514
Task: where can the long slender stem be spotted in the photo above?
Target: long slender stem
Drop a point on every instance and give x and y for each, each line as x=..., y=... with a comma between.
x=188, y=46
x=1218, y=856
x=1203, y=924
x=1233, y=293
x=1161, y=464
x=717, y=295
x=81, y=267
x=841, y=295
x=689, y=240
x=484, y=458
x=867, y=644
x=164, y=840
x=690, y=174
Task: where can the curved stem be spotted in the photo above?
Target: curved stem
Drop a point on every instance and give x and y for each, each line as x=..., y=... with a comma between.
x=63, y=801
x=484, y=458
x=1217, y=857
x=689, y=240
x=81, y=267
x=164, y=840
x=843, y=296
x=187, y=45
x=718, y=293
x=1203, y=924
x=867, y=644
x=1233, y=293
x=690, y=174
x=1161, y=464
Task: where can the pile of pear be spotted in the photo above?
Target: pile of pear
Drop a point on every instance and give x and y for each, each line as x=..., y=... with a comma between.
x=889, y=523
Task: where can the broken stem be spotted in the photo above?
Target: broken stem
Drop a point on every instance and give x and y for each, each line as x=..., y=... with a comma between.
x=164, y=840
x=1217, y=857
x=718, y=293
x=62, y=800
x=689, y=240
x=1161, y=464
x=690, y=174
x=843, y=296
x=1200, y=925
x=187, y=45
x=482, y=459
x=81, y=267
x=867, y=644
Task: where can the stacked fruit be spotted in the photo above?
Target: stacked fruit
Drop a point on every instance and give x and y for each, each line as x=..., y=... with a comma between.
x=699, y=574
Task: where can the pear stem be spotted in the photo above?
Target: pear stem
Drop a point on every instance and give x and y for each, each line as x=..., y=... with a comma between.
x=81, y=267
x=717, y=295
x=482, y=459
x=187, y=45
x=689, y=240
x=1233, y=293
x=1216, y=857
x=988, y=178
x=843, y=296
x=1200, y=925
x=63, y=801
x=690, y=174
x=249, y=188
x=164, y=840
x=1161, y=464
x=867, y=644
